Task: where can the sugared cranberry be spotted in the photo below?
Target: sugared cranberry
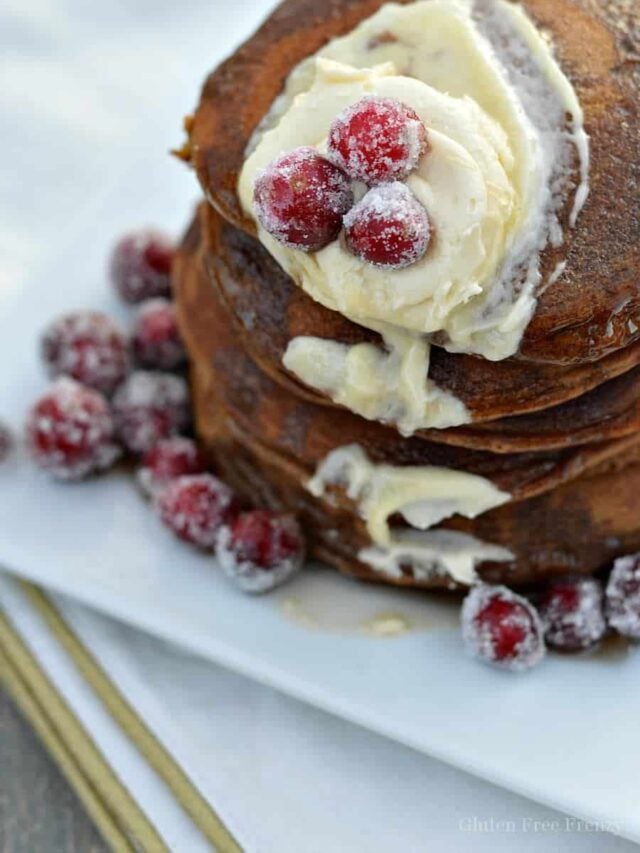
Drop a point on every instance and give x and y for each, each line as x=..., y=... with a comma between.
x=300, y=199
x=156, y=339
x=140, y=266
x=170, y=458
x=572, y=613
x=623, y=597
x=89, y=347
x=150, y=406
x=502, y=628
x=195, y=508
x=5, y=442
x=70, y=431
x=378, y=140
x=388, y=228
x=261, y=550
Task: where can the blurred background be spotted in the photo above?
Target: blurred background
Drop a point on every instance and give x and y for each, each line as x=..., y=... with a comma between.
x=89, y=92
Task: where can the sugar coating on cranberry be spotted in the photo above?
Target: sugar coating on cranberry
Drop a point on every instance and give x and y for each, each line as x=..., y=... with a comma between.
x=156, y=338
x=150, y=406
x=195, y=508
x=300, y=199
x=388, y=228
x=70, y=431
x=6, y=442
x=140, y=266
x=623, y=596
x=502, y=628
x=261, y=550
x=377, y=140
x=572, y=613
x=87, y=346
x=173, y=457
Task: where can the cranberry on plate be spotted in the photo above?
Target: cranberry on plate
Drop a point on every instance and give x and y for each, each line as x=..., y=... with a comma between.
x=195, y=508
x=140, y=266
x=261, y=550
x=502, y=628
x=388, y=228
x=623, y=597
x=150, y=406
x=156, y=339
x=377, y=140
x=70, y=431
x=572, y=613
x=168, y=459
x=300, y=199
x=87, y=346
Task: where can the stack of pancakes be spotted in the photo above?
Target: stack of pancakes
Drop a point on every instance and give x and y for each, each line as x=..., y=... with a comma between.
x=557, y=425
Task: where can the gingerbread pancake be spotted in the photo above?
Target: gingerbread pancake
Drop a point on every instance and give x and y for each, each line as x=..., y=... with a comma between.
x=593, y=308
x=269, y=310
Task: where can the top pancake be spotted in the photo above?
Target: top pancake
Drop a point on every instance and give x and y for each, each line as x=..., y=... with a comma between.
x=593, y=309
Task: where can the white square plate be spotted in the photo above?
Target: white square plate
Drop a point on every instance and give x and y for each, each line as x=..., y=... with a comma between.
x=566, y=734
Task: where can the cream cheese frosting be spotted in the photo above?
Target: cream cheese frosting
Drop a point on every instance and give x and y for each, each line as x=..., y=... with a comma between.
x=494, y=100
x=424, y=496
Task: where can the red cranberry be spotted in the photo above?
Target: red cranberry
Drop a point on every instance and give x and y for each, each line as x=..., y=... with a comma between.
x=195, y=507
x=89, y=347
x=5, y=442
x=572, y=614
x=70, y=431
x=623, y=597
x=150, y=406
x=156, y=338
x=170, y=458
x=141, y=266
x=502, y=628
x=377, y=140
x=261, y=550
x=389, y=228
x=300, y=199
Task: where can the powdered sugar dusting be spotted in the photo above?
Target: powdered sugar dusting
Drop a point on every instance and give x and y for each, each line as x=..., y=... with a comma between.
x=156, y=338
x=70, y=431
x=173, y=457
x=623, y=596
x=87, y=346
x=388, y=227
x=502, y=628
x=195, y=507
x=149, y=406
x=377, y=139
x=300, y=199
x=252, y=573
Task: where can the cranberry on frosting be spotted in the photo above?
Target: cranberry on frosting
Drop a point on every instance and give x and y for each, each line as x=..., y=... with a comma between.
x=388, y=227
x=378, y=139
x=300, y=199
